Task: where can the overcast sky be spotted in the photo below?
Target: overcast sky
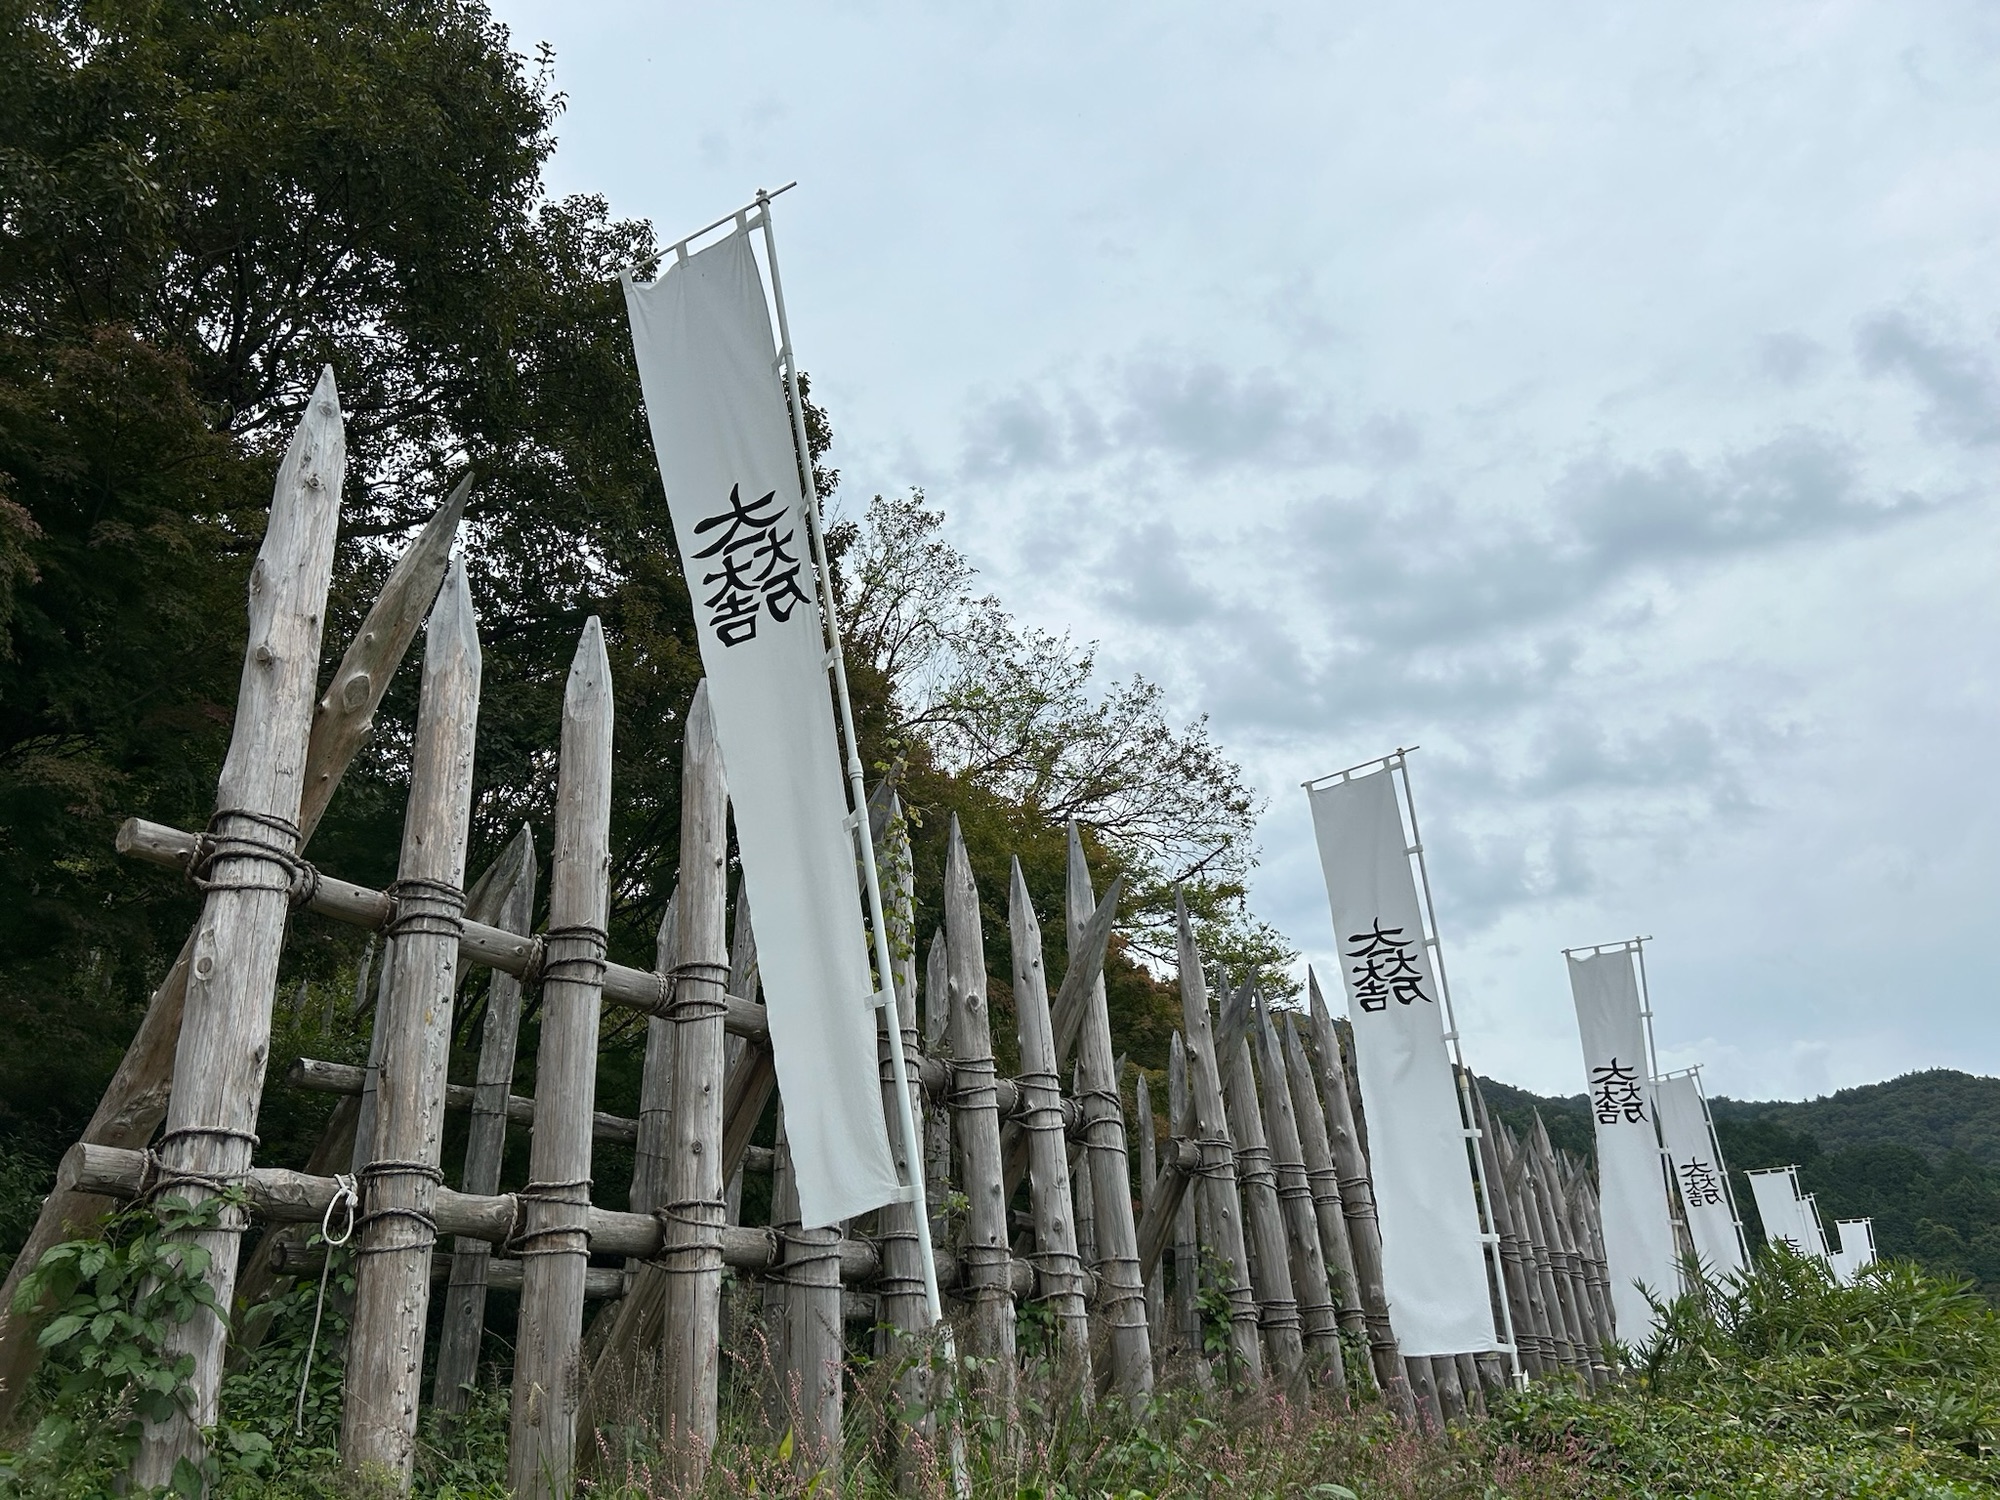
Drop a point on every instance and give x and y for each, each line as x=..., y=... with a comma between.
x=1604, y=398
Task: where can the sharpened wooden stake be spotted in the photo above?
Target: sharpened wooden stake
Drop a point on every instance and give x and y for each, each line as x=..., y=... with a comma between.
x=1528, y=1334
x=218, y=1073
x=977, y=1128
x=136, y=1098
x=1318, y=1324
x=397, y=1228
x=1221, y=1213
x=1323, y=1180
x=1121, y=1290
x=1051, y=1197
x=554, y=1242
x=1187, y=1240
x=693, y=1210
x=1357, y=1201
x=1149, y=1187
x=903, y=1307
x=506, y=897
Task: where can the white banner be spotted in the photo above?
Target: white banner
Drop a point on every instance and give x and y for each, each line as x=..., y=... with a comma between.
x=1699, y=1173
x=1432, y=1265
x=1857, y=1248
x=1787, y=1214
x=1632, y=1192
x=723, y=434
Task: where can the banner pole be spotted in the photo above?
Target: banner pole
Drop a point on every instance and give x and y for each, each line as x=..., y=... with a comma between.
x=1728, y=1187
x=1399, y=764
x=1677, y=1211
x=856, y=786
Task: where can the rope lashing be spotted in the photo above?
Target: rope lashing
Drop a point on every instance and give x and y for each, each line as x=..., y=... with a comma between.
x=575, y=1193
x=422, y=907
x=574, y=953
x=426, y=1223
x=265, y=839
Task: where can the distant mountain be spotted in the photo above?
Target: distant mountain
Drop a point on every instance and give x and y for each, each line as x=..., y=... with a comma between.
x=1919, y=1154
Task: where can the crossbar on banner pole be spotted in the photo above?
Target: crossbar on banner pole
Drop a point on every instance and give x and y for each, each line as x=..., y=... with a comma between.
x=1398, y=761
x=857, y=788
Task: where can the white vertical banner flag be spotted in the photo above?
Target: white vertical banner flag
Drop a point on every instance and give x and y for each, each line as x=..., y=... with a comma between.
x=723, y=435
x=1857, y=1248
x=1433, y=1267
x=1699, y=1172
x=1632, y=1192
x=1787, y=1214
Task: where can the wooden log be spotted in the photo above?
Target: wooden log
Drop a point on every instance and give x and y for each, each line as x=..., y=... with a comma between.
x=1122, y=1298
x=743, y=980
x=1527, y=1335
x=555, y=1240
x=1590, y=1340
x=937, y=1099
x=904, y=1310
x=1319, y=1325
x=1561, y=1356
x=1085, y=1207
x=1548, y=1357
x=1450, y=1394
x=1357, y=1202
x=396, y=1230
x=1493, y=1376
x=287, y=1197
x=1187, y=1243
x=317, y=1076
x=480, y=945
x=976, y=1127
x=136, y=1098
x=1051, y=1197
x=1221, y=1221
x=693, y=1211
x=291, y=1259
x=649, y=1156
x=1264, y=1219
x=1470, y=1391
x=1421, y=1377
x=218, y=1072
x=1593, y=1245
x=371, y=1074
x=505, y=895
x=1572, y=1340
x=809, y=1280
x=1149, y=1192
x=1323, y=1181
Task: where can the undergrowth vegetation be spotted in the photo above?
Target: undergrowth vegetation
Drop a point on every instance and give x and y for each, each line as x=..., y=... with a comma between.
x=1776, y=1384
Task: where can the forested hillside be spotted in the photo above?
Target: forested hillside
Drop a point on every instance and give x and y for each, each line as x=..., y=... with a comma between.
x=1920, y=1155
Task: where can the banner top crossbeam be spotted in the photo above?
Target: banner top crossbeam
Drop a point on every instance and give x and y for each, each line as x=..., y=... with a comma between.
x=679, y=247
x=1387, y=762
x=1629, y=945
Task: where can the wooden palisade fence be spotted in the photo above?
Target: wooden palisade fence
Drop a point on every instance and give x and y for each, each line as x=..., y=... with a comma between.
x=1259, y=1182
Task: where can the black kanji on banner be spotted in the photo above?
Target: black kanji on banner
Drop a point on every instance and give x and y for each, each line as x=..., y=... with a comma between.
x=752, y=567
x=1698, y=1184
x=1615, y=1094
x=1387, y=970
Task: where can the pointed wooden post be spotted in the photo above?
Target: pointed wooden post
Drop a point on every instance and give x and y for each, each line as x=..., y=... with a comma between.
x=1527, y=1335
x=1574, y=1339
x=1450, y=1393
x=1561, y=1355
x=554, y=1241
x=1270, y=1264
x=1569, y=1262
x=136, y=1098
x=901, y=1287
x=938, y=1111
x=1187, y=1240
x=1323, y=1182
x=1422, y=1379
x=1149, y=1173
x=807, y=1286
x=1357, y=1201
x=1050, y=1195
x=649, y=1157
x=692, y=1213
x=1221, y=1221
x=218, y=1074
x=1319, y=1326
x=396, y=1228
x=1121, y=1291
x=743, y=980
x=505, y=898
x=985, y=1251
x=1470, y=1383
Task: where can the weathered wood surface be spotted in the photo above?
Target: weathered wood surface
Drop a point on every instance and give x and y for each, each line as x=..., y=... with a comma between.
x=807, y=1296
x=937, y=1101
x=976, y=1127
x=650, y=1151
x=504, y=895
x=292, y=1260
x=395, y=1231
x=218, y=1072
x=480, y=945
x=1450, y=1394
x=1187, y=1243
x=1323, y=1182
x=743, y=980
x=1562, y=1354
x=1257, y=1178
x=904, y=1310
x=136, y=1098
x=1590, y=1339
x=1528, y=1334
x=1050, y=1194
x=1574, y=1339
x=555, y=1237
x=320, y=1077
x=1319, y=1326
x=1422, y=1382
x=1470, y=1385
x=1149, y=1191
x=1122, y=1294
x=1221, y=1213
x=287, y=1197
x=1357, y=1201
x=693, y=1208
